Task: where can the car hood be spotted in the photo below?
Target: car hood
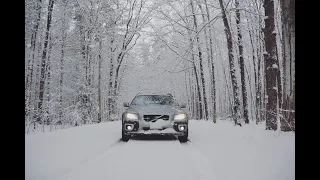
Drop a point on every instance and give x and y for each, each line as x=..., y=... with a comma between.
x=154, y=109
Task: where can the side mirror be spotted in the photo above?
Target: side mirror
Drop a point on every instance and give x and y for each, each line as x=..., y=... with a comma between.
x=126, y=104
x=183, y=105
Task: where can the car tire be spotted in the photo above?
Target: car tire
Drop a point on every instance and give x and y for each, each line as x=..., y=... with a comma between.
x=125, y=137
x=183, y=138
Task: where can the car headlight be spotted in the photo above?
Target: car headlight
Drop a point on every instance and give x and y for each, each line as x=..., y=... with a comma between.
x=131, y=116
x=180, y=117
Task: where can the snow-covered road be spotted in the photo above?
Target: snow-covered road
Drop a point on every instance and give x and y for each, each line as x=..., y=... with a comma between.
x=160, y=159
x=216, y=151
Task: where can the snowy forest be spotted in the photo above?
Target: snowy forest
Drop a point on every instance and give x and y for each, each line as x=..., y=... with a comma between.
x=226, y=59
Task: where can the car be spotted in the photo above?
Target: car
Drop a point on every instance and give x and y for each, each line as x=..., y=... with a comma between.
x=153, y=114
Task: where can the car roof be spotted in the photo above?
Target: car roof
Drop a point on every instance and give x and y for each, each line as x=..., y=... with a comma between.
x=157, y=94
x=153, y=95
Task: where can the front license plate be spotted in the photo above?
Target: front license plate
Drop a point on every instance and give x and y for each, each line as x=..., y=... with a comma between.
x=155, y=125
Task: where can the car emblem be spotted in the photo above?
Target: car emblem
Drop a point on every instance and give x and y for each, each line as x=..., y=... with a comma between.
x=156, y=118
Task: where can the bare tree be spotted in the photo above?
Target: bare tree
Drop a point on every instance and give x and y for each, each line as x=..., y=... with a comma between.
x=43, y=62
x=236, y=107
x=31, y=59
x=99, y=82
x=200, y=62
x=63, y=40
x=242, y=71
x=208, y=39
x=81, y=58
x=213, y=84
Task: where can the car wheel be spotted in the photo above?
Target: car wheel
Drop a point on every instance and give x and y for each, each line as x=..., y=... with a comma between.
x=125, y=137
x=183, y=138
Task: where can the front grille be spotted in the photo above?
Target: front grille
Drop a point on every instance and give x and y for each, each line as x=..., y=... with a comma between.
x=154, y=118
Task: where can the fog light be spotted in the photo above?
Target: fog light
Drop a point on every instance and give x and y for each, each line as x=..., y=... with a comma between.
x=181, y=128
x=129, y=127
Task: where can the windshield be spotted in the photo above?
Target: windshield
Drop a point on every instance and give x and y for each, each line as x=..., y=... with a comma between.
x=153, y=100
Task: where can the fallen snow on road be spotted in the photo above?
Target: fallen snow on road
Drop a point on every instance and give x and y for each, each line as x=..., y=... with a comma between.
x=218, y=151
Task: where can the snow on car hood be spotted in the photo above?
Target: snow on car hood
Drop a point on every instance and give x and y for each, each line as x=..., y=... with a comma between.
x=154, y=109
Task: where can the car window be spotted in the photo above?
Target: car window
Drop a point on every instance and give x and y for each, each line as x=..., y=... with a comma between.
x=154, y=100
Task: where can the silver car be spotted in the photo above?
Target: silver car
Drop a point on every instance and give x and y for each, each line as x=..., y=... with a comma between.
x=154, y=114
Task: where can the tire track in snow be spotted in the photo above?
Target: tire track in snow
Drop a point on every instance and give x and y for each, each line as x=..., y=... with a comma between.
x=161, y=158
x=83, y=163
x=201, y=166
x=164, y=157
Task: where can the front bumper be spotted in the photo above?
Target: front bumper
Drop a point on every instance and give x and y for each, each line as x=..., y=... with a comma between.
x=174, y=129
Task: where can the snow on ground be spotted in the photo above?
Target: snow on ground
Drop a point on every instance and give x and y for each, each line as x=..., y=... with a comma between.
x=51, y=154
x=245, y=153
x=218, y=151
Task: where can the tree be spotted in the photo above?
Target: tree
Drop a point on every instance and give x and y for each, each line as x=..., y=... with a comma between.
x=208, y=34
x=82, y=55
x=272, y=66
x=236, y=106
x=43, y=62
x=63, y=40
x=243, y=81
x=213, y=93
x=31, y=58
x=288, y=46
x=200, y=62
x=99, y=82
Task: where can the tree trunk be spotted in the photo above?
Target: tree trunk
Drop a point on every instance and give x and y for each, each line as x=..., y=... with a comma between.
x=192, y=92
x=33, y=44
x=188, y=94
x=116, y=82
x=197, y=94
x=213, y=93
x=236, y=106
x=255, y=74
x=119, y=61
x=110, y=85
x=259, y=93
x=82, y=37
x=99, y=83
x=271, y=66
x=48, y=79
x=288, y=47
x=62, y=59
x=29, y=75
x=243, y=80
x=201, y=66
x=43, y=62
x=206, y=19
x=88, y=56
